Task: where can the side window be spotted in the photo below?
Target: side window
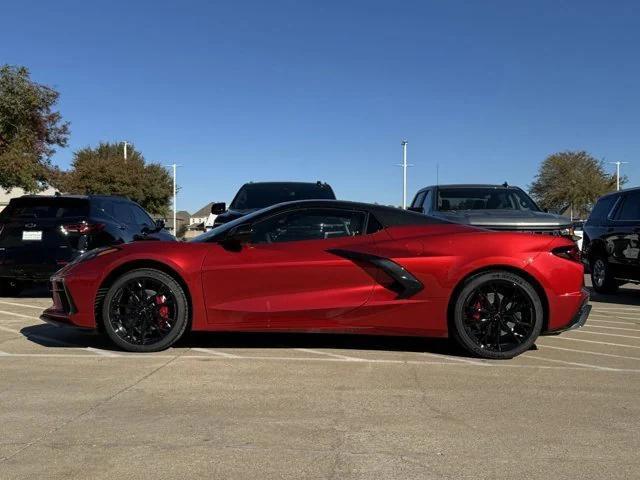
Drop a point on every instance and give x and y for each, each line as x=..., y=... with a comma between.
x=630, y=209
x=308, y=225
x=602, y=208
x=428, y=200
x=122, y=212
x=103, y=208
x=141, y=217
x=418, y=201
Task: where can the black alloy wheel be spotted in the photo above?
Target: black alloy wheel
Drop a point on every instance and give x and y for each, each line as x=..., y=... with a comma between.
x=497, y=315
x=602, y=279
x=145, y=310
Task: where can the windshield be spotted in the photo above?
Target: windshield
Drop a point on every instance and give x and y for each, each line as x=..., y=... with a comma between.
x=46, y=208
x=484, y=198
x=260, y=195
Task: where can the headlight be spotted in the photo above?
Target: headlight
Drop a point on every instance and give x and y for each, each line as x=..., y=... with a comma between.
x=91, y=254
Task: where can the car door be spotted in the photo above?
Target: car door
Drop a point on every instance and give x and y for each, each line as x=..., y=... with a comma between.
x=622, y=237
x=286, y=277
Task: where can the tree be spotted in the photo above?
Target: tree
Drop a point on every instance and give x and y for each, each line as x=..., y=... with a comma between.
x=103, y=170
x=29, y=130
x=571, y=180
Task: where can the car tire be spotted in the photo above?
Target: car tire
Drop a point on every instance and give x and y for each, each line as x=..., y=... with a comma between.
x=497, y=315
x=10, y=287
x=145, y=310
x=602, y=279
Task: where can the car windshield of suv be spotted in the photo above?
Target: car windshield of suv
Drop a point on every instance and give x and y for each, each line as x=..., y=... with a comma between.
x=46, y=208
x=258, y=195
x=479, y=198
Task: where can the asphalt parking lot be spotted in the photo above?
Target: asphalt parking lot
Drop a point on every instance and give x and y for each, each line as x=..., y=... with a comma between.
x=318, y=406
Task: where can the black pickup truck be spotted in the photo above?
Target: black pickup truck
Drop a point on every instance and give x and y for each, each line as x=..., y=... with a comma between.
x=496, y=207
x=254, y=196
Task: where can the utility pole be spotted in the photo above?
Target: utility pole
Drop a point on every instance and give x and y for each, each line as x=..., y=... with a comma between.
x=175, y=198
x=617, y=164
x=125, y=150
x=404, y=166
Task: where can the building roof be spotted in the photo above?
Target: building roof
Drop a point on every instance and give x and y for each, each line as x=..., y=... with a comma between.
x=204, y=211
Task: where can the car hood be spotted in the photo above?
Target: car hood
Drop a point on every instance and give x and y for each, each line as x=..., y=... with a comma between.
x=511, y=219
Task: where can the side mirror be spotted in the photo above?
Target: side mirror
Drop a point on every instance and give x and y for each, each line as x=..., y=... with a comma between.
x=416, y=209
x=237, y=237
x=159, y=224
x=218, y=208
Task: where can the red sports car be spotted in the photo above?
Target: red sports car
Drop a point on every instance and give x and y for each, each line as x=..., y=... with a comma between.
x=330, y=266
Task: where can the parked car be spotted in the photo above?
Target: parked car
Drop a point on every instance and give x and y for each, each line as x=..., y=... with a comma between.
x=496, y=207
x=611, y=241
x=330, y=266
x=254, y=196
x=40, y=234
x=578, y=232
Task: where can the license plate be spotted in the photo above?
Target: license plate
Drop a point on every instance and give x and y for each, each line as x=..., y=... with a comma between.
x=32, y=235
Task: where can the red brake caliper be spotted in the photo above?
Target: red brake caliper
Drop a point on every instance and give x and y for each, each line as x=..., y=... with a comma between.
x=163, y=310
x=477, y=308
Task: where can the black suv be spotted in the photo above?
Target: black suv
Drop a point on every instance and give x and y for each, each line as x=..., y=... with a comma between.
x=255, y=196
x=40, y=234
x=497, y=207
x=611, y=243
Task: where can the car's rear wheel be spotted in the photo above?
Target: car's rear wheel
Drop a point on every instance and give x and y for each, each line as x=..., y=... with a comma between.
x=602, y=277
x=497, y=315
x=145, y=310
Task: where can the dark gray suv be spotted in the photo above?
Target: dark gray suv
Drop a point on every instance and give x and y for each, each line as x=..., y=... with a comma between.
x=496, y=207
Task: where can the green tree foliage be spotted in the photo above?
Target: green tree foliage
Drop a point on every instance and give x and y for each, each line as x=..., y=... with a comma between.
x=103, y=170
x=29, y=130
x=571, y=179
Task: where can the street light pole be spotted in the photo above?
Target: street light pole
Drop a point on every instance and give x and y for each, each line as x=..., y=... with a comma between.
x=175, y=197
x=617, y=164
x=404, y=166
x=125, y=150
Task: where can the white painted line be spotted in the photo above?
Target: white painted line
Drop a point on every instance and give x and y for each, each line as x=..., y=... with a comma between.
x=13, y=314
x=3, y=353
x=105, y=353
x=613, y=328
x=589, y=352
x=456, y=359
x=619, y=315
x=590, y=321
x=329, y=354
x=607, y=334
x=616, y=309
x=586, y=365
x=11, y=330
x=210, y=351
x=594, y=341
x=23, y=305
x=313, y=359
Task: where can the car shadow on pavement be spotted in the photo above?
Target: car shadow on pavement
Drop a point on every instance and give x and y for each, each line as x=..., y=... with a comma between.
x=624, y=296
x=62, y=337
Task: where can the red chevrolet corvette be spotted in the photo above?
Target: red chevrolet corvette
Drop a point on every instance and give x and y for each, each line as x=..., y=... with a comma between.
x=330, y=266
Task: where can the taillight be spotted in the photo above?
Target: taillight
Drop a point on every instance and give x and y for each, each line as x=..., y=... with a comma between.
x=82, y=228
x=569, y=252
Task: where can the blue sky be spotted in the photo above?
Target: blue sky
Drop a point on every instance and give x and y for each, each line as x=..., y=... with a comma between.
x=306, y=90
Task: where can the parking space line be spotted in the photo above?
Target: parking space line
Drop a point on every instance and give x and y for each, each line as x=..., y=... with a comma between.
x=98, y=351
x=607, y=334
x=19, y=315
x=590, y=321
x=11, y=330
x=4, y=353
x=616, y=315
x=594, y=341
x=26, y=305
x=613, y=328
x=613, y=309
x=329, y=354
x=586, y=365
x=455, y=359
x=211, y=351
x=590, y=352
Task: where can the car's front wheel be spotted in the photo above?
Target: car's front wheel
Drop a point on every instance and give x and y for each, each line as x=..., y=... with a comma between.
x=497, y=315
x=145, y=310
